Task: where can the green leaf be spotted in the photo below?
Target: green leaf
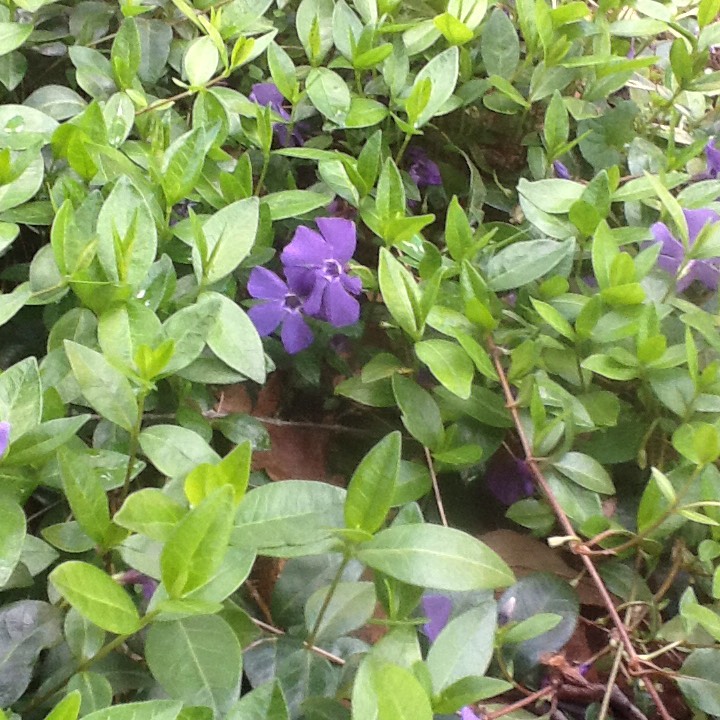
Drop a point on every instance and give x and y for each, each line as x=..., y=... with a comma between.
x=127, y=237
x=96, y=596
x=150, y=512
x=26, y=628
x=442, y=71
x=197, y=660
x=449, y=363
x=459, y=236
x=230, y=234
x=182, y=164
x=329, y=93
x=67, y=709
x=95, y=691
x=232, y=470
x=399, y=695
x=420, y=413
x=276, y=517
x=586, y=472
x=195, y=548
x=265, y=701
x=106, y=389
x=399, y=292
x=149, y=710
x=372, y=486
x=85, y=494
x=436, y=557
x=351, y=606
x=234, y=339
x=699, y=680
x=463, y=648
x=12, y=536
x=556, y=128
x=293, y=203
x=200, y=61
x=125, y=54
x=500, y=46
x=13, y=35
x=523, y=262
x=175, y=450
x=455, y=31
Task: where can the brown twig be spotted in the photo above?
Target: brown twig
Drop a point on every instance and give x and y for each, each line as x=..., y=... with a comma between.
x=519, y=704
x=568, y=529
x=317, y=650
x=436, y=487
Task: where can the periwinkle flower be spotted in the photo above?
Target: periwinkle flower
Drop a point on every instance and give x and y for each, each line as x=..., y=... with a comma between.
x=672, y=256
x=561, y=170
x=267, y=95
x=712, y=155
x=422, y=169
x=316, y=267
x=508, y=478
x=4, y=437
x=147, y=584
x=283, y=306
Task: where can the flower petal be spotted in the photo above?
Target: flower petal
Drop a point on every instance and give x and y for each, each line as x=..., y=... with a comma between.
x=306, y=249
x=351, y=284
x=341, y=308
x=702, y=271
x=341, y=235
x=671, y=246
x=268, y=94
x=266, y=285
x=697, y=219
x=314, y=305
x=267, y=316
x=712, y=154
x=438, y=609
x=4, y=437
x=295, y=333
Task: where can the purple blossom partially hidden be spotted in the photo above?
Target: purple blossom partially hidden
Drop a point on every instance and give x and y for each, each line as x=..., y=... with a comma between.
x=561, y=170
x=673, y=259
x=283, y=306
x=422, y=169
x=712, y=155
x=438, y=609
x=508, y=478
x=316, y=267
x=4, y=437
x=267, y=95
x=147, y=584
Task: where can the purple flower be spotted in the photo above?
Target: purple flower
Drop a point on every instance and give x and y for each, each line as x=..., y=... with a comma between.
x=508, y=478
x=267, y=95
x=438, y=609
x=283, y=306
x=422, y=169
x=4, y=437
x=316, y=267
x=561, y=170
x=673, y=258
x=146, y=583
x=467, y=714
x=712, y=155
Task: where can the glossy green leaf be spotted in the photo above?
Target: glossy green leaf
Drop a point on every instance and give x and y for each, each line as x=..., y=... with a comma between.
x=96, y=596
x=436, y=557
x=449, y=363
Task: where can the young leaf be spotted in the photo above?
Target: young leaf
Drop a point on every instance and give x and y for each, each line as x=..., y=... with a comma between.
x=372, y=486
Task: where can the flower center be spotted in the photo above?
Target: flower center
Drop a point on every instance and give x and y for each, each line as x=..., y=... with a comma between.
x=332, y=269
x=292, y=302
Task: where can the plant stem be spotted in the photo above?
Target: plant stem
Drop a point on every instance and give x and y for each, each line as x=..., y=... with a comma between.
x=310, y=641
x=133, y=447
x=403, y=148
x=263, y=173
x=634, y=660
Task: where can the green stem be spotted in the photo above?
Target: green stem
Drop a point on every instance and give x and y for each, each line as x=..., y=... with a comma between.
x=104, y=651
x=263, y=173
x=310, y=641
x=133, y=447
x=403, y=148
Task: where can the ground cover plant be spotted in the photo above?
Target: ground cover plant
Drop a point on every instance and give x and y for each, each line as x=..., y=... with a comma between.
x=359, y=359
